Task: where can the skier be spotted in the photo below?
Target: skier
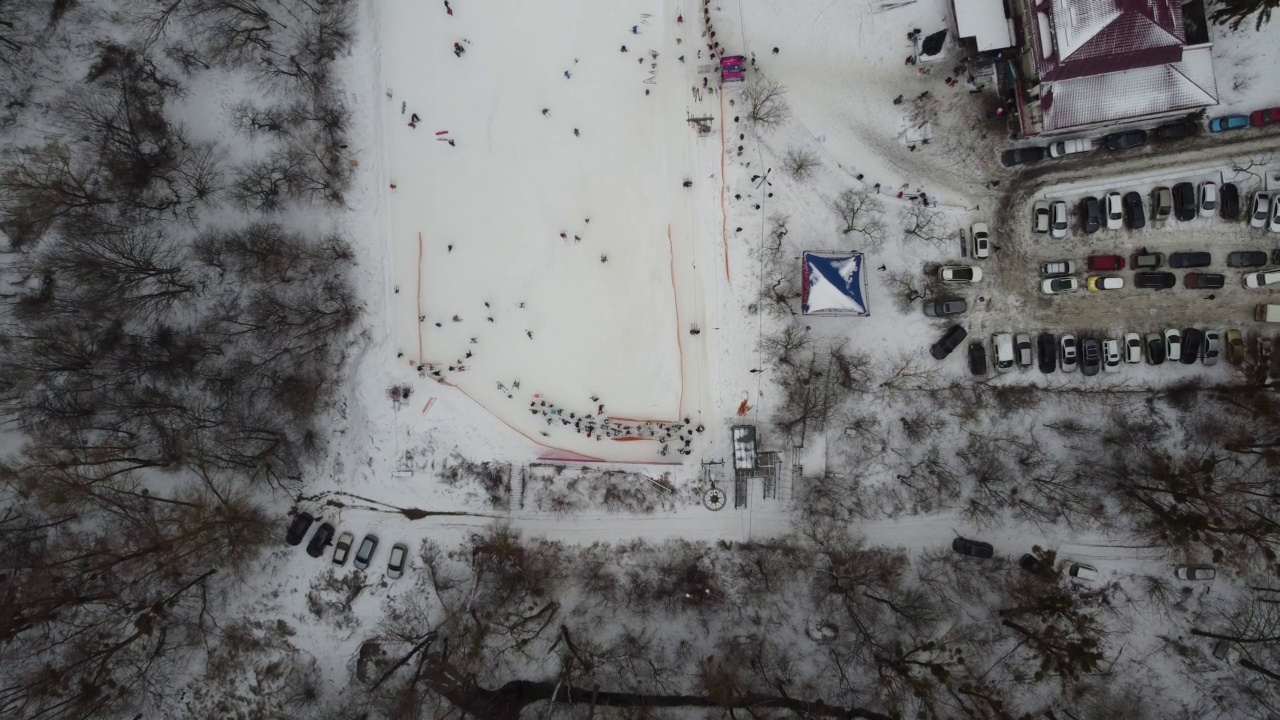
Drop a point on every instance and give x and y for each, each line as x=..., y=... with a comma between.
x=624, y=49
x=447, y=9
x=546, y=112
x=458, y=49
x=575, y=133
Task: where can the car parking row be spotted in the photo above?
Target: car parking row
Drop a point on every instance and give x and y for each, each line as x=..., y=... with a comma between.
x=1059, y=274
x=1077, y=571
x=323, y=537
x=1184, y=202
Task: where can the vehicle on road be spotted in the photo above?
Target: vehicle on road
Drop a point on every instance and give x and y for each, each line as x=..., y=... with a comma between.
x=1261, y=212
x=1228, y=122
x=320, y=540
x=1058, y=267
x=1204, y=281
x=1090, y=356
x=1115, y=211
x=948, y=342
x=1046, y=353
x=1184, y=201
x=1105, y=262
x=1190, y=260
x=365, y=553
x=1161, y=204
x=1208, y=198
x=1030, y=563
x=1261, y=279
x=1247, y=258
x=1110, y=355
x=1133, y=210
x=1082, y=572
x=1125, y=140
x=1090, y=215
x=1068, y=353
x=1021, y=156
x=1062, y=148
x=1177, y=130
x=977, y=359
x=1172, y=344
x=981, y=240
x=973, y=548
x=342, y=548
x=1192, y=346
x=1002, y=351
x=942, y=307
x=1229, y=201
x=298, y=528
x=960, y=273
x=1104, y=282
x=1059, y=285
x=1260, y=118
x=1155, y=280
x=1022, y=350
x=1060, y=222
x=1040, y=217
x=1155, y=349
x=1235, y=347
x=1147, y=260
x=1194, y=572
x=395, y=562
x=1132, y=348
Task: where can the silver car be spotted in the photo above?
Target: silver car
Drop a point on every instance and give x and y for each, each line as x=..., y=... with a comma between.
x=1059, y=210
x=1212, y=347
x=396, y=562
x=1068, y=351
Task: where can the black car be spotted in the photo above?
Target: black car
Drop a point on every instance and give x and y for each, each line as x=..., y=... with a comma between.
x=1155, y=350
x=1190, y=259
x=1047, y=352
x=1203, y=281
x=1246, y=258
x=950, y=341
x=1229, y=201
x=940, y=307
x=1090, y=356
x=298, y=528
x=1275, y=257
x=1184, y=201
x=1030, y=563
x=977, y=358
x=1177, y=130
x=973, y=548
x=1155, y=280
x=322, y=539
x=1134, y=210
x=1126, y=140
x=1021, y=156
x=1192, y=346
x=1090, y=214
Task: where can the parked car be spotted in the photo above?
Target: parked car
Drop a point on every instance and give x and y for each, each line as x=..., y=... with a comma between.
x=942, y=307
x=1082, y=572
x=1208, y=198
x=1125, y=140
x=1172, y=345
x=1177, y=130
x=298, y=528
x=365, y=553
x=342, y=548
x=960, y=273
x=1155, y=349
x=395, y=561
x=1059, y=285
x=1021, y=156
x=1060, y=223
x=1062, y=148
x=1090, y=356
x=1274, y=224
x=1132, y=348
x=1204, y=281
x=1194, y=572
x=977, y=359
x=1155, y=280
x=1228, y=122
x=1090, y=215
x=1040, y=217
x=1105, y=262
x=1030, y=563
x=981, y=240
x=1261, y=212
x=1002, y=350
x=1022, y=350
x=1184, y=201
x=320, y=540
x=1275, y=256
x=1110, y=355
x=1261, y=279
x=950, y=340
x=1235, y=347
x=1114, y=211
x=1067, y=357
x=1104, y=282
x=1247, y=258
x=973, y=548
x=1229, y=201
x=1192, y=345
x=1259, y=118
x=1046, y=353
x=1058, y=267
x=1147, y=260
x=1190, y=259
x=1133, y=210
x=1161, y=203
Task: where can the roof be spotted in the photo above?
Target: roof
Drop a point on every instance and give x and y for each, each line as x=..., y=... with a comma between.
x=985, y=22
x=1078, y=38
x=833, y=284
x=744, y=447
x=1118, y=96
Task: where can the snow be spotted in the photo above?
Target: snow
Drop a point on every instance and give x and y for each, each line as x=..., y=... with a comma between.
x=985, y=22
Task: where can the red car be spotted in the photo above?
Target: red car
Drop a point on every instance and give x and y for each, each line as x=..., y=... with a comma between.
x=1106, y=262
x=1269, y=116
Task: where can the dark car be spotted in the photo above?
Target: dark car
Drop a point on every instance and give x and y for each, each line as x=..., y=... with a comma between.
x=1021, y=156
x=1125, y=140
x=1134, y=210
x=1246, y=258
x=1275, y=257
x=1203, y=281
x=1259, y=118
x=949, y=342
x=1047, y=353
x=365, y=553
x=1190, y=259
x=940, y=307
x=1155, y=280
x=977, y=358
x=1184, y=201
x=298, y=528
x=1030, y=563
x=1192, y=346
x=1177, y=130
x=1155, y=349
x=322, y=539
x=1090, y=214
x=1229, y=201
x=1090, y=356
x=973, y=548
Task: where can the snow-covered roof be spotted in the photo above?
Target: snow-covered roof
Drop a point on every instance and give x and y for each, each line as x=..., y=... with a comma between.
x=1093, y=37
x=833, y=284
x=985, y=22
x=1127, y=94
x=744, y=447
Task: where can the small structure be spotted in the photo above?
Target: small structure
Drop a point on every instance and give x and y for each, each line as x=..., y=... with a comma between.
x=733, y=69
x=833, y=284
x=985, y=21
x=744, y=447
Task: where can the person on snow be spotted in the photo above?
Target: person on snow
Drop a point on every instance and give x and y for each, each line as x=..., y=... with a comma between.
x=447, y=9
x=458, y=49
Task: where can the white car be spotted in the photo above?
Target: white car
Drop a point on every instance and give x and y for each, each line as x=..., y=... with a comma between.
x=1110, y=355
x=1062, y=148
x=1059, y=285
x=1002, y=344
x=1172, y=345
x=1261, y=279
x=1132, y=348
x=1194, y=572
x=1274, y=226
x=1067, y=352
x=1082, y=572
x=395, y=563
x=960, y=273
x=1208, y=199
x=1115, y=211
x=1058, y=267
x=1212, y=347
x=1261, y=210
x=1059, y=218
x=1040, y=217
x=981, y=240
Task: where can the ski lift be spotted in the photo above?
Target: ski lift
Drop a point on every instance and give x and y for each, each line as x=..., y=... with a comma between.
x=733, y=68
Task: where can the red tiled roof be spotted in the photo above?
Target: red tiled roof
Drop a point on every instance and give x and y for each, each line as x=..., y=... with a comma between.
x=1093, y=37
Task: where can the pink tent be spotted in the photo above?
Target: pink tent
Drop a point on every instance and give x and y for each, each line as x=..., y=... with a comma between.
x=733, y=68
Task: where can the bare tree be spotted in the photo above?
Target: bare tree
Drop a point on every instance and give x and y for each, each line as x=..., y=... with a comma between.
x=859, y=211
x=800, y=163
x=905, y=288
x=766, y=100
x=922, y=224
